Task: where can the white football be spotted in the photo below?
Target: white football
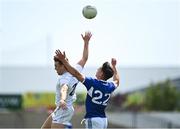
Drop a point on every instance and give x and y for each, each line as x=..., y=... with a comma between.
x=89, y=12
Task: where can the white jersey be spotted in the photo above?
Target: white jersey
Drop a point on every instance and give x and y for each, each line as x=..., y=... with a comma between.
x=71, y=82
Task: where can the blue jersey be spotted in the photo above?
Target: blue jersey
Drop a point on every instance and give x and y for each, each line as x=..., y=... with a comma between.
x=98, y=94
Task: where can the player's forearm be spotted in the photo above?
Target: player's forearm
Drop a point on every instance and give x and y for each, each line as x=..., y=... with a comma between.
x=116, y=77
x=73, y=71
x=63, y=94
x=85, y=51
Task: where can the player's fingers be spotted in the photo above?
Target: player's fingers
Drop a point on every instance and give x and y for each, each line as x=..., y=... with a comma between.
x=113, y=60
x=56, y=52
x=64, y=54
x=89, y=34
x=59, y=51
x=82, y=36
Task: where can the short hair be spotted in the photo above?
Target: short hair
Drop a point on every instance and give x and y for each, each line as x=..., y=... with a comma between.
x=57, y=60
x=107, y=71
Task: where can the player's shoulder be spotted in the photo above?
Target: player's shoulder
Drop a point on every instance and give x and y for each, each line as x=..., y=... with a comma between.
x=112, y=85
x=107, y=85
x=90, y=79
x=65, y=76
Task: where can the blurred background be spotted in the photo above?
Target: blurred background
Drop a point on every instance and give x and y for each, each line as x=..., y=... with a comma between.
x=144, y=37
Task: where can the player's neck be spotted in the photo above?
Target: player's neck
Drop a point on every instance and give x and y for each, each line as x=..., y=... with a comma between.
x=102, y=79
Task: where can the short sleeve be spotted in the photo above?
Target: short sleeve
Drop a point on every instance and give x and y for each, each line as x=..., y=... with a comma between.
x=79, y=68
x=88, y=82
x=112, y=86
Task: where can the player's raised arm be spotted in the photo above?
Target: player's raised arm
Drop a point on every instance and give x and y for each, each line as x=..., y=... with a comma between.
x=116, y=77
x=85, y=54
x=69, y=68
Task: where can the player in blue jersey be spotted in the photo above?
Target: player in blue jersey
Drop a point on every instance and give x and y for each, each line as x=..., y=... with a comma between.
x=98, y=90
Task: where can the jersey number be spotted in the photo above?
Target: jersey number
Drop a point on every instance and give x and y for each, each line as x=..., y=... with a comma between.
x=99, y=96
x=73, y=89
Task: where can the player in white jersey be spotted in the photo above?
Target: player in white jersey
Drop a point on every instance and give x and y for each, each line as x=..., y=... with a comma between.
x=65, y=90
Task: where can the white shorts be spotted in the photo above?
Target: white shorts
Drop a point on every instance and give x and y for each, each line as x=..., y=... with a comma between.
x=61, y=116
x=96, y=123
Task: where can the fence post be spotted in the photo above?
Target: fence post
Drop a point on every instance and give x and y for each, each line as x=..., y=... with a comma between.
x=134, y=119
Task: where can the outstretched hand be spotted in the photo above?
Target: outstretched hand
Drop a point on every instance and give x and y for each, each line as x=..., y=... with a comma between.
x=61, y=56
x=87, y=36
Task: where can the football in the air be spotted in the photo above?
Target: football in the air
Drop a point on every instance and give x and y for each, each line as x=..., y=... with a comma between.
x=89, y=12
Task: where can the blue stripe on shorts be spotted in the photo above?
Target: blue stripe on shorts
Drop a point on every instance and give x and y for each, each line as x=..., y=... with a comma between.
x=89, y=123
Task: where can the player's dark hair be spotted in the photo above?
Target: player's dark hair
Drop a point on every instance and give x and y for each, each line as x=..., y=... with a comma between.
x=57, y=60
x=107, y=71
